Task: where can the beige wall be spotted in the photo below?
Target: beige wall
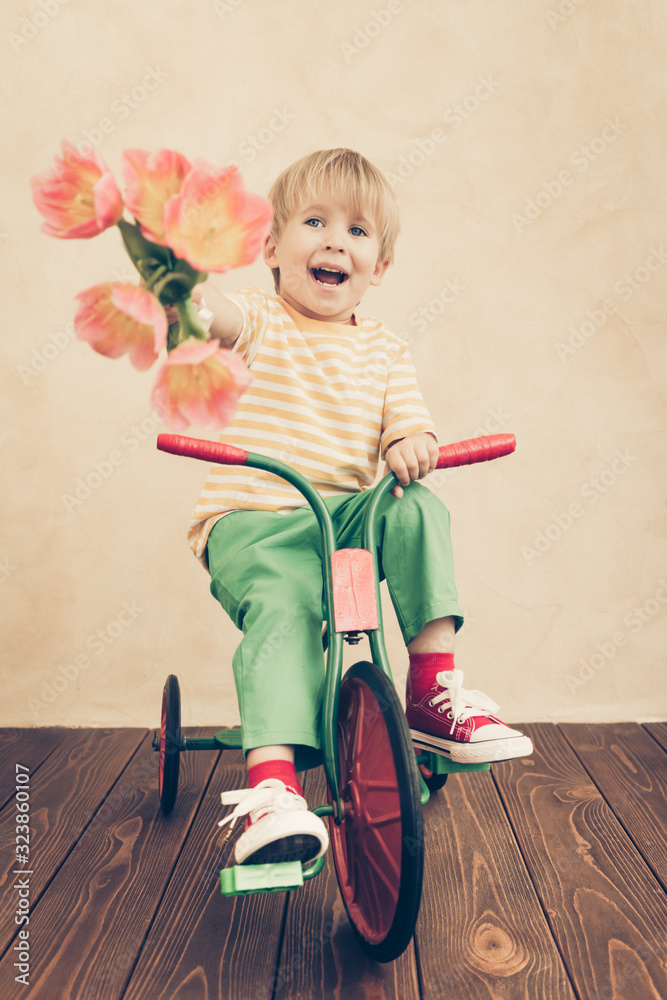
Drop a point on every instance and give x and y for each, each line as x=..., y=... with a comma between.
x=527, y=143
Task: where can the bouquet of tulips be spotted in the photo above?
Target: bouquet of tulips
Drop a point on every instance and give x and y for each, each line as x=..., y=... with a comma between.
x=188, y=219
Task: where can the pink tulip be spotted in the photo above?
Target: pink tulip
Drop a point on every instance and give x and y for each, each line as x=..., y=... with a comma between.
x=151, y=179
x=200, y=384
x=80, y=198
x=118, y=318
x=214, y=223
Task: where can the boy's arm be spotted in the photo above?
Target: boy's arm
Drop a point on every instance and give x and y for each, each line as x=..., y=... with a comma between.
x=411, y=458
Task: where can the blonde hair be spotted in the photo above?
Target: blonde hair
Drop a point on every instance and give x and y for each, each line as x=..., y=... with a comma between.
x=345, y=175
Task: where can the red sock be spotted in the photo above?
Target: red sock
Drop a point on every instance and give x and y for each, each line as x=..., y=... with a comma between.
x=430, y=663
x=421, y=675
x=282, y=769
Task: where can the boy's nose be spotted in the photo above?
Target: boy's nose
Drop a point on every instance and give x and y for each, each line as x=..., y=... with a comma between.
x=334, y=240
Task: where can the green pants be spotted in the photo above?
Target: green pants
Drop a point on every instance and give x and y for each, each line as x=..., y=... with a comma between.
x=266, y=571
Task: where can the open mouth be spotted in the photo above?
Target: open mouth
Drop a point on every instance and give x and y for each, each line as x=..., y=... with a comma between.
x=328, y=275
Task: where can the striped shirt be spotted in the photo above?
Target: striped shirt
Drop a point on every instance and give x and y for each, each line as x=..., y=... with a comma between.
x=327, y=398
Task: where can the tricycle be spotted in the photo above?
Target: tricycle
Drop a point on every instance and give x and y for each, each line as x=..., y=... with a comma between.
x=377, y=779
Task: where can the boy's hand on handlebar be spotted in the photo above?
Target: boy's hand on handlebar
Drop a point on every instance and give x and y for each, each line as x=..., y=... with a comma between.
x=411, y=458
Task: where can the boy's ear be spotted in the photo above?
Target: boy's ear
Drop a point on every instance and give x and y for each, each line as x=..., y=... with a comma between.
x=379, y=272
x=269, y=251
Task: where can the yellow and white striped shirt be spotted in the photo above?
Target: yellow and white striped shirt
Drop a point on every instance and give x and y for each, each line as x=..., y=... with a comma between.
x=327, y=398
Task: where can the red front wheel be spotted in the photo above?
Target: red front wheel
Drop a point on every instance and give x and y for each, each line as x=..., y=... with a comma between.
x=378, y=848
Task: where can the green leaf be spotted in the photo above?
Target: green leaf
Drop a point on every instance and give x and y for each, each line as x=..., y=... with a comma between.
x=149, y=257
x=145, y=254
x=171, y=287
x=187, y=275
x=173, y=335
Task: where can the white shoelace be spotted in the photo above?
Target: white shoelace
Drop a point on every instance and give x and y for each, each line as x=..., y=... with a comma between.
x=269, y=796
x=462, y=703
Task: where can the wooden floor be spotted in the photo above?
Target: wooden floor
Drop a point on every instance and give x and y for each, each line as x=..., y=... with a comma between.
x=545, y=878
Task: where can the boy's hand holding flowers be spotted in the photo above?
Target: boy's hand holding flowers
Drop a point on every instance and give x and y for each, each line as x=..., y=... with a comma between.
x=189, y=219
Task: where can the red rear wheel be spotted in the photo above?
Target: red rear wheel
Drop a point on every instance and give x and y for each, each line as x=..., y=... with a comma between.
x=378, y=849
x=170, y=744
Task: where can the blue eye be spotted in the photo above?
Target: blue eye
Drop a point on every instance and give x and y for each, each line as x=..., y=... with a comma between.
x=313, y=222
x=357, y=231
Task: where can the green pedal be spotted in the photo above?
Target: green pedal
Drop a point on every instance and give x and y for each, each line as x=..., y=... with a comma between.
x=444, y=766
x=440, y=764
x=243, y=879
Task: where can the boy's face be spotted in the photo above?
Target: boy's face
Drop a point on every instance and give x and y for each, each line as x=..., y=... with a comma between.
x=328, y=256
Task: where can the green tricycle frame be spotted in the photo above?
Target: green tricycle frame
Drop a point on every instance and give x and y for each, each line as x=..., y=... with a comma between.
x=377, y=782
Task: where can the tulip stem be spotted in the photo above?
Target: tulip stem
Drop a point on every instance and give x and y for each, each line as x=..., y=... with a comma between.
x=190, y=324
x=158, y=273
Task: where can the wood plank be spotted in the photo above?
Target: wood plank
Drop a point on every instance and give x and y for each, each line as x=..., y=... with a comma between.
x=481, y=932
x=658, y=730
x=87, y=931
x=65, y=793
x=28, y=747
x=114, y=918
x=630, y=769
x=202, y=944
x=606, y=910
x=320, y=956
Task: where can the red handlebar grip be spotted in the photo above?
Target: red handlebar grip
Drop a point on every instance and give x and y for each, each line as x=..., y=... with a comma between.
x=209, y=451
x=481, y=449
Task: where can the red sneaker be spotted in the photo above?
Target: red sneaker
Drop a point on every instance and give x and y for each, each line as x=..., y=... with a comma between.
x=444, y=717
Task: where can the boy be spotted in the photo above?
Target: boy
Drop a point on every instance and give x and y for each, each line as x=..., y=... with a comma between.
x=331, y=392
